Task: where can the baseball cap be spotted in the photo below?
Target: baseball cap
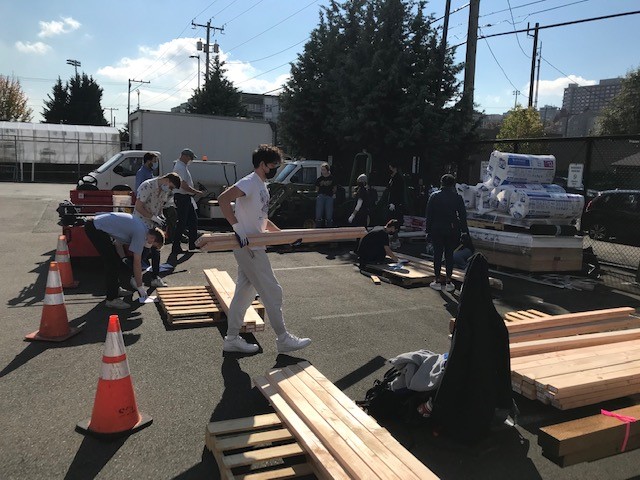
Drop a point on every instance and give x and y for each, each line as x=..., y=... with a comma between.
x=362, y=178
x=189, y=153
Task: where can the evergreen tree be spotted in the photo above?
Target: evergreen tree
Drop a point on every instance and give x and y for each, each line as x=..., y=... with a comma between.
x=371, y=77
x=13, y=101
x=218, y=95
x=622, y=115
x=78, y=102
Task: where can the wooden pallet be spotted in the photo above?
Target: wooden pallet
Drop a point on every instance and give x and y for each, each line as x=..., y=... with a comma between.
x=407, y=275
x=256, y=448
x=197, y=305
x=524, y=315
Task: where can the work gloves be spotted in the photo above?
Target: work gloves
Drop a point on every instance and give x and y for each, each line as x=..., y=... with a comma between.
x=159, y=221
x=392, y=207
x=352, y=217
x=241, y=235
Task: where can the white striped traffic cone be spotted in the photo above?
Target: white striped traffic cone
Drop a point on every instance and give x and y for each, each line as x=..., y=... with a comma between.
x=64, y=263
x=54, y=324
x=115, y=412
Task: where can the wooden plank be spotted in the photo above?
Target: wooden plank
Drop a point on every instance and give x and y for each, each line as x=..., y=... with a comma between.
x=325, y=464
x=567, y=330
x=318, y=396
x=381, y=433
x=375, y=279
x=561, y=385
x=565, y=343
x=227, y=241
x=223, y=288
x=515, y=316
x=570, y=319
x=262, y=455
x=254, y=438
x=588, y=432
x=243, y=424
x=292, y=471
x=595, y=454
x=350, y=453
x=591, y=397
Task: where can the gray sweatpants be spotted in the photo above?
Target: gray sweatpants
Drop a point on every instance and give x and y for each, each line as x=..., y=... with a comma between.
x=255, y=274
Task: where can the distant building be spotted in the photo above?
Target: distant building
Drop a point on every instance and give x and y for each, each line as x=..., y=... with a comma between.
x=548, y=114
x=591, y=97
x=259, y=107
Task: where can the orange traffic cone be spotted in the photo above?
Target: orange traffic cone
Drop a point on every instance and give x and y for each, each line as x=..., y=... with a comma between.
x=54, y=324
x=64, y=263
x=115, y=412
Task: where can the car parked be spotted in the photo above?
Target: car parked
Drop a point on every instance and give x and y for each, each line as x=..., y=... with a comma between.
x=613, y=215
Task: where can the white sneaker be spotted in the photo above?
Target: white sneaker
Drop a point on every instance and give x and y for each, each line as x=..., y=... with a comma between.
x=436, y=285
x=117, y=303
x=158, y=282
x=291, y=343
x=239, y=344
x=449, y=287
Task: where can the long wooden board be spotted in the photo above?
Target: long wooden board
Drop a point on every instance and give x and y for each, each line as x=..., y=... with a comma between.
x=223, y=288
x=569, y=319
x=227, y=241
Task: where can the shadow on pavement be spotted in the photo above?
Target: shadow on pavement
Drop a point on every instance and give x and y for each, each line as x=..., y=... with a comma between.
x=91, y=458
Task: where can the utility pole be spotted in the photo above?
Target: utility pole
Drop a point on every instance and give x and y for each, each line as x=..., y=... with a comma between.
x=129, y=105
x=516, y=93
x=443, y=46
x=111, y=109
x=74, y=63
x=470, y=61
x=206, y=46
x=198, y=57
x=535, y=104
x=533, y=63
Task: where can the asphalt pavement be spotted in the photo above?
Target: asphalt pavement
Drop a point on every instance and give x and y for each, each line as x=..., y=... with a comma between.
x=183, y=380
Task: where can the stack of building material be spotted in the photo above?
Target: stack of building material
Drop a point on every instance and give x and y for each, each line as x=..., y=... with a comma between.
x=590, y=438
x=576, y=359
x=212, y=242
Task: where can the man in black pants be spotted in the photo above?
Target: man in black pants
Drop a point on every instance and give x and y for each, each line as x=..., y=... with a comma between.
x=374, y=246
x=185, y=206
x=106, y=229
x=446, y=218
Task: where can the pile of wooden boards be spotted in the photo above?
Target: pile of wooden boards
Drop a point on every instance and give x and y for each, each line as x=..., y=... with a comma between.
x=591, y=438
x=204, y=305
x=215, y=242
x=575, y=359
x=416, y=272
x=340, y=439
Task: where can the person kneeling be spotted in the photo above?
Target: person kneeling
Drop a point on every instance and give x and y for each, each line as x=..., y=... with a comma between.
x=374, y=246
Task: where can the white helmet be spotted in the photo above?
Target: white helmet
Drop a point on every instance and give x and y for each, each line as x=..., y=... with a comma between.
x=362, y=178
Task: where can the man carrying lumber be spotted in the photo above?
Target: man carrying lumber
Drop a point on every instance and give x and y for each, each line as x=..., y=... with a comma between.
x=251, y=199
x=374, y=246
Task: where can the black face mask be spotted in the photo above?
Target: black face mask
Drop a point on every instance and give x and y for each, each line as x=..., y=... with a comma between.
x=271, y=173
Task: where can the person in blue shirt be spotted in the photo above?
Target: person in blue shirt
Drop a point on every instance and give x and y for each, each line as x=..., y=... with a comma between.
x=107, y=229
x=148, y=168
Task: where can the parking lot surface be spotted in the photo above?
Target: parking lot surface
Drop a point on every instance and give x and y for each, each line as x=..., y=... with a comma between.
x=183, y=380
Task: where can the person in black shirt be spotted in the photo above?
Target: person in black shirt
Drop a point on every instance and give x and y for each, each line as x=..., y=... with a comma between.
x=446, y=218
x=395, y=204
x=361, y=212
x=326, y=188
x=374, y=246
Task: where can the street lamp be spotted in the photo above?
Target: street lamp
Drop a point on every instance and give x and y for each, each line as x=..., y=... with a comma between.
x=74, y=63
x=198, y=57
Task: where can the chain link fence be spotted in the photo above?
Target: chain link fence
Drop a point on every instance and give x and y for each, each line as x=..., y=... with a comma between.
x=611, y=220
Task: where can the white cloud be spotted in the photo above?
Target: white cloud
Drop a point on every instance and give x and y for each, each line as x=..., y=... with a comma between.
x=56, y=27
x=555, y=88
x=37, y=48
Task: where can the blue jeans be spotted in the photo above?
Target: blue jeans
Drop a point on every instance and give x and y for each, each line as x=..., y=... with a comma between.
x=324, y=209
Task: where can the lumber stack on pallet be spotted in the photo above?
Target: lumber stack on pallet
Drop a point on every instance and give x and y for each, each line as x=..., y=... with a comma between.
x=591, y=438
x=197, y=305
x=341, y=440
x=223, y=288
x=576, y=359
x=259, y=447
x=214, y=242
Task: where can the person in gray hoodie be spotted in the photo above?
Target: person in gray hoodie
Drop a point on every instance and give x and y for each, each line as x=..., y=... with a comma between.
x=446, y=219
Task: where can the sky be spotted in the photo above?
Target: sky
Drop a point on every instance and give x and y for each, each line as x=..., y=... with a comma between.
x=152, y=41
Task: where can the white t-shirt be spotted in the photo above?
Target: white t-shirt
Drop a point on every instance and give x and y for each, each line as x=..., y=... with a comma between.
x=181, y=169
x=252, y=209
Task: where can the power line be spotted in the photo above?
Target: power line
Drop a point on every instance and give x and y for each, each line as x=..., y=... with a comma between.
x=242, y=13
x=514, y=27
x=269, y=56
x=500, y=66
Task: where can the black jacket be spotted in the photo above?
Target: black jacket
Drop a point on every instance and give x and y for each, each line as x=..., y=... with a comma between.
x=446, y=212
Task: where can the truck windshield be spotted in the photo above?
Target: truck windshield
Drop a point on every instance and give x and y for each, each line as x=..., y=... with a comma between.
x=284, y=173
x=107, y=165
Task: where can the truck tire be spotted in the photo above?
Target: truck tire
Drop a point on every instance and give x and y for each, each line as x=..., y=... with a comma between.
x=121, y=188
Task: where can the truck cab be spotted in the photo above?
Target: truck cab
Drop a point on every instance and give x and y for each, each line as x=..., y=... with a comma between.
x=117, y=172
x=302, y=172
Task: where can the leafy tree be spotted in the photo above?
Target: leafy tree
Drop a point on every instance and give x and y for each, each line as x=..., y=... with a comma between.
x=55, y=109
x=521, y=122
x=78, y=102
x=13, y=101
x=218, y=96
x=371, y=76
x=622, y=116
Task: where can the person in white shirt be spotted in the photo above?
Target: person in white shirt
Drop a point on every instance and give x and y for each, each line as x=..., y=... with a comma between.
x=151, y=197
x=254, y=269
x=185, y=205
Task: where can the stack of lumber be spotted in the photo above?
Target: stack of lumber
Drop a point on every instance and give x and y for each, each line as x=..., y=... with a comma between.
x=223, y=288
x=256, y=448
x=214, y=242
x=591, y=438
x=576, y=359
x=340, y=439
x=418, y=271
x=197, y=305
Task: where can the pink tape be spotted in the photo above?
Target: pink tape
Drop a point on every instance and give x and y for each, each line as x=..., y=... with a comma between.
x=624, y=419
